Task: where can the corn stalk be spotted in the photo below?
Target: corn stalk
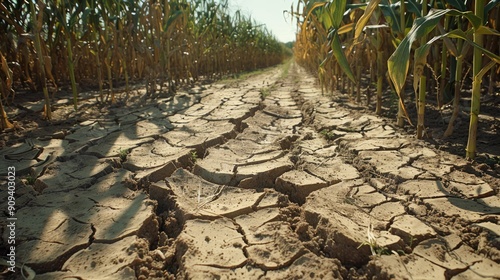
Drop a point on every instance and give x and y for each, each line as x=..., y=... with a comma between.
x=399, y=61
x=102, y=43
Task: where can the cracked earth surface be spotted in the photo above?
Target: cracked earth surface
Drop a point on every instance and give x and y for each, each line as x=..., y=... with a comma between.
x=238, y=181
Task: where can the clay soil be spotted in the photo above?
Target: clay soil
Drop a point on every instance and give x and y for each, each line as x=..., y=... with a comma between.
x=261, y=177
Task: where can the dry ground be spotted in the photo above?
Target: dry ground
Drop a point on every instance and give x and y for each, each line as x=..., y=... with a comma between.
x=257, y=178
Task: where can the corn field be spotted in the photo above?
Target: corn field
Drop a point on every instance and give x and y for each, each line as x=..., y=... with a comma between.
x=440, y=43
x=48, y=44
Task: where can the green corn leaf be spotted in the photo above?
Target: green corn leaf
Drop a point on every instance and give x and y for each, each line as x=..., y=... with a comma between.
x=458, y=4
x=484, y=30
x=485, y=69
x=389, y=11
x=346, y=28
x=85, y=18
x=420, y=60
x=312, y=6
x=413, y=7
x=337, y=9
x=449, y=44
x=341, y=58
x=350, y=7
x=329, y=56
x=75, y=16
x=492, y=4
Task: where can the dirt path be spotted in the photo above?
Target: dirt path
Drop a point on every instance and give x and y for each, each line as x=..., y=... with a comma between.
x=262, y=178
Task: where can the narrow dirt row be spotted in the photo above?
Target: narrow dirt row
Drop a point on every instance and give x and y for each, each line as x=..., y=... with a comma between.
x=367, y=191
x=262, y=178
x=233, y=209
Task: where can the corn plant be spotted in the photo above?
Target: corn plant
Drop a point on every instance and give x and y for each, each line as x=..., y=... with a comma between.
x=5, y=89
x=36, y=21
x=402, y=31
x=372, y=13
x=399, y=62
x=62, y=14
x=108, y=43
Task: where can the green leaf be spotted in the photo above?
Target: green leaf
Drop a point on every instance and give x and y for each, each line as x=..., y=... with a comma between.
x=420, y=59
x=399, y=61
x=325, y=17
x=485, y=69
x=389, y=11
x=492, y=4
x=346, y=28
x=484, y=30
x=85, y=17
x=449, y=44
x=457, y=33
x=398, y=64
x=350, y=7
x=413, y=7
x=337, y=9
x=360, y=25
x=422, y=52
x=329, y=56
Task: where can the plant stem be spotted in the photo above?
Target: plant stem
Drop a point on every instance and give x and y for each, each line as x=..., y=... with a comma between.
x=423, y=85
x=37, y=24
x=71, y=65
x=458, y=84
x=380, y=79
x=400, y=117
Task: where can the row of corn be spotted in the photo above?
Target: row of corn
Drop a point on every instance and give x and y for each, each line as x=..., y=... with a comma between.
x=45, y=44
x=440, y=43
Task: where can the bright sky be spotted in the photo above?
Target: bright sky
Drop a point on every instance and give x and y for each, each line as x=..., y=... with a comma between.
x=270, y=13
